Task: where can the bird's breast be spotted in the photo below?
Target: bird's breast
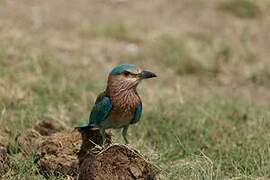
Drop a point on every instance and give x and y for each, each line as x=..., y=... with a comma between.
x=119, y=119
x=123, y=109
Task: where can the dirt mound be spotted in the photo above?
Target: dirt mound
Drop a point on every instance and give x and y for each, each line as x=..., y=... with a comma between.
x=79, y=153
x=60, y=152
x=116, y=162
x=46, y=127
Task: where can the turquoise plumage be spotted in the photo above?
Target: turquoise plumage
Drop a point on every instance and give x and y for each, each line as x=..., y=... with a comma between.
x=100, y=110
x=119, y=105
x=137, y=114
x=124, y=67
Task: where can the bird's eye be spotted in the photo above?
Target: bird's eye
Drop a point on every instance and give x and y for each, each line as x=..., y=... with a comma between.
x=126, y=73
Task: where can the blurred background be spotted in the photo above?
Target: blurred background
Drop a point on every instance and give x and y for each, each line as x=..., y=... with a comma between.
x=205, y=117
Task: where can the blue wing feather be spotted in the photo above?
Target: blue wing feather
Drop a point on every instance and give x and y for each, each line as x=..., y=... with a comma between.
x=101, y=110
x=137, y=114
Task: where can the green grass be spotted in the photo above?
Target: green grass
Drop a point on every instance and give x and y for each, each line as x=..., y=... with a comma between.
x=241, y=8
x=261, y=77
x=24, y=167
x=178, y=53
x=211, y=137
x=115, y=30
x=187, y=54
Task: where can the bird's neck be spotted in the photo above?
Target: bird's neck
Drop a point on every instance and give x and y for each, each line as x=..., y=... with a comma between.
x=121, y=96
x=118, y=91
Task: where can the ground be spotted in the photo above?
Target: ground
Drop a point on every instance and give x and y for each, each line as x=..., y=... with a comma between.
x=206, y=116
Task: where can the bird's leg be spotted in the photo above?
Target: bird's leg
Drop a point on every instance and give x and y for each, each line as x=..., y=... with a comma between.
x=124, y=134
x=103, y=134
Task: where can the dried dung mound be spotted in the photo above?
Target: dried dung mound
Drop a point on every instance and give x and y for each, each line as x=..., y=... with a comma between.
x=28, y=141
x=47, y=128
x=79, y=153
x=116, y=162
x=60, y=152
x=4, y=160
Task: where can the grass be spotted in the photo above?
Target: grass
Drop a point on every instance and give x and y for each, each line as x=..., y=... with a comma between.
x=220, y=135
x=262, y=77
x=202, y=118
x=187, y=54
x=213, y=139
x=178, y=53
x=241, y=8
x=116, y=31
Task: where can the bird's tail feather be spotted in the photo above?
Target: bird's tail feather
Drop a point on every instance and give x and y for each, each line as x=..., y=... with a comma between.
x=85, y=126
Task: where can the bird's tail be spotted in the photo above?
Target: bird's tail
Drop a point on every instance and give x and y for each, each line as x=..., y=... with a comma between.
x=85, y=126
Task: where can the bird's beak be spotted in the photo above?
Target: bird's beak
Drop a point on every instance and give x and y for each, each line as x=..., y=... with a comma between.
x=146, y=75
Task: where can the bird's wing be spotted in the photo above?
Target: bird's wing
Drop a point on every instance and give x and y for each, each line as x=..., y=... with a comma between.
x=101, y=109
x=137, y=114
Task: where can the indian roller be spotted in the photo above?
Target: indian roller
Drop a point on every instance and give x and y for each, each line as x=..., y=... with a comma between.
x=119, y=105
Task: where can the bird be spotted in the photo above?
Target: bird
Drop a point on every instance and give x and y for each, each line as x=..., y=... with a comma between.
x=120, y=104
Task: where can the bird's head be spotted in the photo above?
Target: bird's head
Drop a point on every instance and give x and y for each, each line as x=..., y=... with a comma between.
x=128, y=76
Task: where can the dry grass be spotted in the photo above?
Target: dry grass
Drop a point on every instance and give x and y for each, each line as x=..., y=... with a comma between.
x=242, y=8
x=205, y=117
